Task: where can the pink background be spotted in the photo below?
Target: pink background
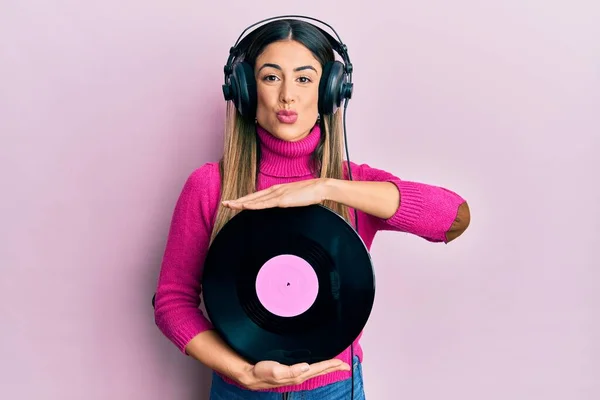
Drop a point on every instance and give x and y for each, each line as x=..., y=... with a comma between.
x=106, y=106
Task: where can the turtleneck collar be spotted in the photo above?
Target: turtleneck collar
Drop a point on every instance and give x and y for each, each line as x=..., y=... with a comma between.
x=287, y=159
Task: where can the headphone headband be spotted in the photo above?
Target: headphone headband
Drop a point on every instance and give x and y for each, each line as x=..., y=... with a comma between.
x=337, y=44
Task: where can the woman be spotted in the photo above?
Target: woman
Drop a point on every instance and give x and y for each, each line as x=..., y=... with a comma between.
x=285, y=155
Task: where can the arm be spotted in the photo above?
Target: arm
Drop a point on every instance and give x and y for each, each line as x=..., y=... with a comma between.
x=379, y=199
x=208, y=348
x=434, y=213
x=177, y=312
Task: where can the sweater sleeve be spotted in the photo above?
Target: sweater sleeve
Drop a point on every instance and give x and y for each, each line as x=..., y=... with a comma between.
x=425, y=210
x=177, y=312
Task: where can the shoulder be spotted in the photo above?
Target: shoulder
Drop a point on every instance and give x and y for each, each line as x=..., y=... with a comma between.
x=205, y=179
x=204, y=172
x=202, y=188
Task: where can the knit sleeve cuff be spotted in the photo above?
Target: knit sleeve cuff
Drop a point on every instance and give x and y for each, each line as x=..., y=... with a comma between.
x=411, y=206
x=187, y=330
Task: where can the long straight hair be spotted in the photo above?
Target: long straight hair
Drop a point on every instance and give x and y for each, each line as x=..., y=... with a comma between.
x=241, y=153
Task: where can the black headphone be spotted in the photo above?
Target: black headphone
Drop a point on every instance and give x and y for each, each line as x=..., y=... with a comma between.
x=335, y=85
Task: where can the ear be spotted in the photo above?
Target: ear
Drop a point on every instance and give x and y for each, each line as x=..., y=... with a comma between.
x=244, y=84
x=330, y=87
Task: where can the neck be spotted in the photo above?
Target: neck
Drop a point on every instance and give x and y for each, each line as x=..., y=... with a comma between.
x=287, y=159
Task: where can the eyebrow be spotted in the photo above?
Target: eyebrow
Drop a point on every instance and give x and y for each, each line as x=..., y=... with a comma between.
x=302, y=68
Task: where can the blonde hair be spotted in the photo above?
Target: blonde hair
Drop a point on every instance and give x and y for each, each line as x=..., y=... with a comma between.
x=239, y=164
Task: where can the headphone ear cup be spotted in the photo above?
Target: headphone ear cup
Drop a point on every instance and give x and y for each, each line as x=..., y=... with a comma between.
x=243, y=85
x=330, y=87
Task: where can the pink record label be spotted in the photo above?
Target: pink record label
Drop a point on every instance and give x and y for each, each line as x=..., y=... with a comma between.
x=287, y=285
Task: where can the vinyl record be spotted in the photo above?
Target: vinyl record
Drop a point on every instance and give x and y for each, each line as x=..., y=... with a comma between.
x=288, y=284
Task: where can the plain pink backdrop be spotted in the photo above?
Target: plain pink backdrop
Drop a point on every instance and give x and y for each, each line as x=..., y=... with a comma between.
x=106, y=107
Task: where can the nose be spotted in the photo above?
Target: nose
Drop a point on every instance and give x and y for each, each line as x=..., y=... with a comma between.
x=286, y=94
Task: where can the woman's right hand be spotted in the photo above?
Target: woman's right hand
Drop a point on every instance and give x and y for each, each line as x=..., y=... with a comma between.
x=208, y=348
x=271, y=374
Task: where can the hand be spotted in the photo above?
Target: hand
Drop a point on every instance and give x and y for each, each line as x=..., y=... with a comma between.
x=271, y=374
x=296, y=194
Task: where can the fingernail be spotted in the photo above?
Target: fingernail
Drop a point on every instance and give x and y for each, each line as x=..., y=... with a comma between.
x=304, y=368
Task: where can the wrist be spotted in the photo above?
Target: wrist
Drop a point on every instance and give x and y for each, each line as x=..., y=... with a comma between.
x=333, y=190
x=330, y=187
x=242, y=374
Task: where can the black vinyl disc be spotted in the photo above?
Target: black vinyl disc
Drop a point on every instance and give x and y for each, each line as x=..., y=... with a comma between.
x=288, y=284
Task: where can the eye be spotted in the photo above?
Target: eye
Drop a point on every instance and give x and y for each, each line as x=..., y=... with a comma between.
x=270, y=78
x=304, y=79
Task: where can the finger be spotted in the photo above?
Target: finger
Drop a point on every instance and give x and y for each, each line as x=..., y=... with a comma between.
x=342, y=367
x=254, y=205
x=257, y=194
x=283, y=374
x=231, y=204
x=297, y=370
x=323, y=366
x=328, y=364
x=239, y=203
x=314, y=370
x=259, y=204
x=277, y=198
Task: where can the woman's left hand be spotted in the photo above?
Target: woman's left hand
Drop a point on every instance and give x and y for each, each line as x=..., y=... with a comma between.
x=295, y=194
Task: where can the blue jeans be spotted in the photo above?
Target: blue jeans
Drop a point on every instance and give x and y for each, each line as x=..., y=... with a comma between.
x=221, y=390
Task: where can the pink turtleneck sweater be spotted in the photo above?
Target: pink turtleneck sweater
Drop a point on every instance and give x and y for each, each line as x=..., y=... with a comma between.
x=425, y=210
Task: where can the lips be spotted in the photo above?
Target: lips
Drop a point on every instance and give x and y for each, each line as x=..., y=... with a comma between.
x=287, y=116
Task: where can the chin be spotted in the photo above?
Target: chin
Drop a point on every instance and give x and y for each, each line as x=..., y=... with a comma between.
x=289, y=132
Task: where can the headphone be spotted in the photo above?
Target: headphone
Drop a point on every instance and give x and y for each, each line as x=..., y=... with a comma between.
x=335, y=84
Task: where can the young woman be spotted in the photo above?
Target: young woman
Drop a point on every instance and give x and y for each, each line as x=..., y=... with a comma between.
x=285, y=154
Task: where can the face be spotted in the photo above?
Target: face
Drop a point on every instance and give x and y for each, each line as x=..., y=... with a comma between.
x=287, y=84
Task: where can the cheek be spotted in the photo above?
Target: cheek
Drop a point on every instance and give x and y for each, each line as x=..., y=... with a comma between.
x=264, y=95
x=264, y=100
x=312, y=103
